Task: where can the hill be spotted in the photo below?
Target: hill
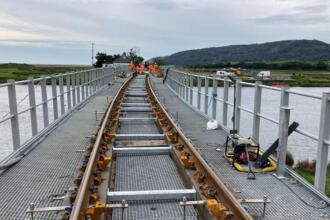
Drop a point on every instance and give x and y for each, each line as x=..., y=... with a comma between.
x=289, y=50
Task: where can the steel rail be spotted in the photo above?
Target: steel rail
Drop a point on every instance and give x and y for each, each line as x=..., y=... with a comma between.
x=224, y=193
x=81, y=202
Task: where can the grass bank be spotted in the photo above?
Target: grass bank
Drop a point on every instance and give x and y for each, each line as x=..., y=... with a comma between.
x=23, y=71
x=307, y=171
x=302, y=78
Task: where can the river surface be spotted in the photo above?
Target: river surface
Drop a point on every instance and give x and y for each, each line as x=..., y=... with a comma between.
x=306, y=111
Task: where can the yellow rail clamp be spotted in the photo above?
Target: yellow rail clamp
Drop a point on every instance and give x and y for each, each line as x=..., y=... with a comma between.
x=96, y=211
x=190, y=164
x=103, y=162
x=179, y=146
x=172, y=136
x=199, y=177
x=208, y=191
x=94, y=197
x=217, y=209
x=109, y=137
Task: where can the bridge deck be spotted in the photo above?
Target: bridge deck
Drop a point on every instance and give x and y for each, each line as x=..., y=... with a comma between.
x=48, y=170
x=289, y=199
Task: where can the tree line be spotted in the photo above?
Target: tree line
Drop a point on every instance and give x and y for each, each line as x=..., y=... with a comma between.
x=284, y=65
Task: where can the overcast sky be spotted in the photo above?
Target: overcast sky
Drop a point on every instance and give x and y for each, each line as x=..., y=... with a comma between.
x=61, y=31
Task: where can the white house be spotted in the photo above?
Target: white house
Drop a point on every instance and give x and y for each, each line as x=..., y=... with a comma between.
x=265, y=73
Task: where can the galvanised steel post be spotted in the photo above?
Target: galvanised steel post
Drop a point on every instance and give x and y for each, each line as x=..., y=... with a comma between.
x=33, y=110
x=86, y=83
x=256, y=112
x=94, y=80
x=13, y=113
x=283, y=132
x=187, y=86
x=68, y=91
x=206, y=95
x=323, y=147
x=238, y=104
x=60, y=81
x=54, y=94
x=183, y=86
x=191, y=84
x=225, y=102
x=73, y=84
x=44, y=101
x=82, y=76
x=199, y=92
x=214, y=96
x=78, y=86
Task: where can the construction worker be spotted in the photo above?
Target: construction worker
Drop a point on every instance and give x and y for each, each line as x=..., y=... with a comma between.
x=132, y=66
x=155, y=68
x=150, y=68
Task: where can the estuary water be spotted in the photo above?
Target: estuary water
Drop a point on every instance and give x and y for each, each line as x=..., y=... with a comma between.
x=306, y=111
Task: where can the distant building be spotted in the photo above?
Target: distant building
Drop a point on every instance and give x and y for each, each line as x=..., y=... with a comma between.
x=121, y=60
x=265, y=73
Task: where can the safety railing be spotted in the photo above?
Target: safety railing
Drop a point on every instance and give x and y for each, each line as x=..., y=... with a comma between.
x=67, y=92
x=196, y=88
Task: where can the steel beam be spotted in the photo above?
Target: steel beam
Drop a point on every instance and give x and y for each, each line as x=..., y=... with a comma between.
x=136, y=109
x=142, y=150
x=139, y=136
x=151, y=195
x=137, y=119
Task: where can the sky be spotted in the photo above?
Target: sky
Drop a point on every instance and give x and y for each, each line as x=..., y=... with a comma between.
x=61, y=31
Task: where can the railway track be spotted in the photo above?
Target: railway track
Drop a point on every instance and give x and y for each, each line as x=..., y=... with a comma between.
x=139, y=165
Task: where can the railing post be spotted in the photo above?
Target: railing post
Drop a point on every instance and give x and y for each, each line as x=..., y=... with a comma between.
x=13, y=112
x=199, y=92
x=33, y=110
x=256, y=112
x=238, y=104
x=94, y=80
x=323, y=148
x=60, y=81
x=191, y=84
x=183, y=88
x=214, y=96
x=283, y=132
x=44, y=101
x=78, y=86
x=54, y=94
x=68, y=90
x=73, y=84
x=82, y=75
x=225, y=102
x=206, y=95
x=86, y=83
x=187, y=87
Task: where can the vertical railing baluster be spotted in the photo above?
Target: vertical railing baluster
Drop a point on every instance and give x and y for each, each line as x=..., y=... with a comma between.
x=191, y=84
x=283, y=132
x=323, y=148
x=214, y=96
x=60, y=82
x=86, y=83
x=68, y=91
x=225, y=102
x=44, y=101
x=82, y=80
x=78, y=86
x=73, y=85
x=13, y=113
x=206, y=95
x=256, y=112
x=33, y=109
x=238, y=104
x=54, y=97
x=199, y=92
x=187, y=86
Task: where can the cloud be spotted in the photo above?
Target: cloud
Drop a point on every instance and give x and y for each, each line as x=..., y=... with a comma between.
x=158, y=27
